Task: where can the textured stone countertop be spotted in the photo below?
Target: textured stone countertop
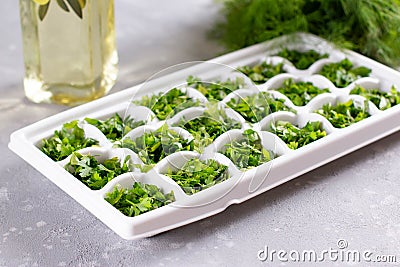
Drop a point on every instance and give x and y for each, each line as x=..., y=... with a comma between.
x=355, y=198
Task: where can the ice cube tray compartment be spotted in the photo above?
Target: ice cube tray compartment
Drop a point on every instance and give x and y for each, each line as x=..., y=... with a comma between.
x=242, y=184
x=197, y=112
x=102, y=154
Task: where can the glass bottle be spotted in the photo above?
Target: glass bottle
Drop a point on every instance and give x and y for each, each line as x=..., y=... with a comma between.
x=70, y=56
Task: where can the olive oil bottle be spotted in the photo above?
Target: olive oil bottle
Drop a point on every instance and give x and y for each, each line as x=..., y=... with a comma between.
x=69, y=51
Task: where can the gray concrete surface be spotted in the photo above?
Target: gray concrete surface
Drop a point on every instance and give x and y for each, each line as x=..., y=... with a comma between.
x=355, y=198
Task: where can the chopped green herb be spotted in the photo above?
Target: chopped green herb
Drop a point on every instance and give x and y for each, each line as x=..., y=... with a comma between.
x=167, y=104
x=255, y=107
x=216, y=90
x=65, y=141
x=139, y=199
x=301, y=60
x=93, y=174
x=248, y=152
x=154, y=146
x=114, y=128
x=342, y=73
x=343, y=114
x=383, y=100
x=296, y=137
x=300, y=92
x=209, y=126
x=261, y=73
x=197, y=175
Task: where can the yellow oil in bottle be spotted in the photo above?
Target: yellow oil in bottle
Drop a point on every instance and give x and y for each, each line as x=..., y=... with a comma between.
x=69, y=60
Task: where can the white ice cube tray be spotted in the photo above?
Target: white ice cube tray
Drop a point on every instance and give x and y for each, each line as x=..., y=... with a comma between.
x=243, y=184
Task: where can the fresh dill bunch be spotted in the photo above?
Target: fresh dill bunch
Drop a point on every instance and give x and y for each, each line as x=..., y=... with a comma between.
x=370, y=27
x=251, y=21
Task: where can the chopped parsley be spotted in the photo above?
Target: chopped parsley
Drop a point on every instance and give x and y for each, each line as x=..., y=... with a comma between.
x=383, y=100
x=261, y=73
x=255, y=107
x=209, y=126
x=197, y=175
x=301, y=60
x=343, y=114
x=342, y=73
x=296, y=137
x=248, y=152
x=94, y=174
x=165, y=105
x=65, y=141
x=152, y=147
x=216, y=90
x=114, y=128
x=300, y=93
x=139, y=199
